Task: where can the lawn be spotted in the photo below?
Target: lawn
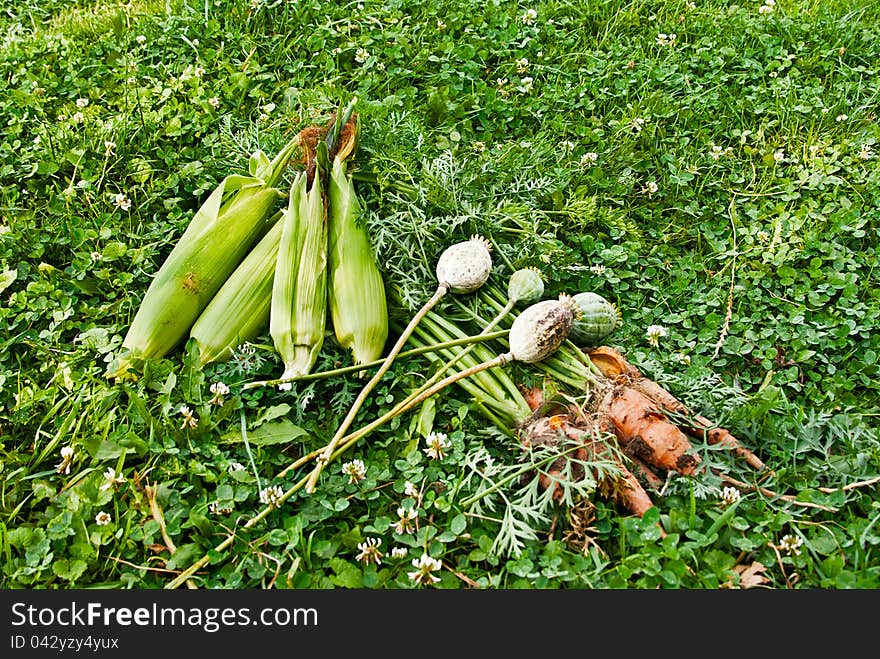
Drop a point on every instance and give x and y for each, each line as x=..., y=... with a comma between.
x=710, y=168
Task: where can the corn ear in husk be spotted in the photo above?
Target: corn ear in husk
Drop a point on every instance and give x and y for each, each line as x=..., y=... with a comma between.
x=219, y=236
x=240, y=309
x=297, y=316
x=356, y=291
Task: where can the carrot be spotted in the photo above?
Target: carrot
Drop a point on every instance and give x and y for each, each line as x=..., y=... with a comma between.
x=534, y=396
x=700, y=426
x=642, y=469
x=614, y=365
x=627, y=491
x=645, y=432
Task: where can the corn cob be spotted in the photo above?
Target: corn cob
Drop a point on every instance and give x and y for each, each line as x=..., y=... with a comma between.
x=356, y=292
x=240, y=309
x=217, y=239
x=298, y=309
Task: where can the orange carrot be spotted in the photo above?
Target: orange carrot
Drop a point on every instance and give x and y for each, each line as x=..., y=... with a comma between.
x=615, y=366
x=645, y=432
x=628, y=491
x=700, y=426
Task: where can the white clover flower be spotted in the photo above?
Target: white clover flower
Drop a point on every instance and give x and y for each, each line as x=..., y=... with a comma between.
x=271, y=496
x=361, y=55
x=437, y=445
x=189, y=419
x=567, y=145
x=411, y=490
x=369, y=551
x=103, y=519
x=406, y=518
x=779, y=155
x=440, y=24
x=235, y=466
x=529, y=17
x=682, y=358
x=77, y=118
x=141, y=39
x=597, y=269
x=717, y=151
x=637, y=124
x=664, y=39
x=690, y=6
x=111, y=479
x=399, y=552
x=199, y=71
x=356, y=471
x=841, y=117
x=215, y=509
x=96, y=256
x=424, y=567
x=526, y=84
x=82, y=102
x=651, y=187
x=122, y=201
x=522, y=65
x=762, y=236
x=589, y=159
x=655, y=333
x=729, y=495
x=67, y=454
x=767, y=8
x=866, y=152
x=109, y=147
x=791, y=544
x=214, y=102
x=478, y=147
x=219, y=389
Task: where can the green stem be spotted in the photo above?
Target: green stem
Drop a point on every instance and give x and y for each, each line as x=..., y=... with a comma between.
x=483, y=336
x=442, y=289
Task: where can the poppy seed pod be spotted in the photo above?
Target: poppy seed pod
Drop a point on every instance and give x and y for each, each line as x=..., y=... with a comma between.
x=541, y=328
x=465, y=266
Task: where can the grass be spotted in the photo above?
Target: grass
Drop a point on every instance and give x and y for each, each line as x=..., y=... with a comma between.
x=710, y=168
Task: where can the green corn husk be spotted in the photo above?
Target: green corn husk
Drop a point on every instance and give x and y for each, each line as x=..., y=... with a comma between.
x=356, y=291
x=216, y=241
x=240, y=310
x=298, y=310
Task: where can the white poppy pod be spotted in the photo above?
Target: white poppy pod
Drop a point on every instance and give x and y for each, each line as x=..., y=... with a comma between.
x=465, y=266
x=540, y=329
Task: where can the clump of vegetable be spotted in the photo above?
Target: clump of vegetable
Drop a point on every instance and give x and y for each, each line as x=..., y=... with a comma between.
x=536, y=333
x=221, y=233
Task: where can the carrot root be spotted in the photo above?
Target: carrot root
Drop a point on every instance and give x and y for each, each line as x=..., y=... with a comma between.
x=614, y=365
x=627, y=492
x=646, y=433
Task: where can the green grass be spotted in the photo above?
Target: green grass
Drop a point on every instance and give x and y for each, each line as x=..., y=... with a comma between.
x=727, y=181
